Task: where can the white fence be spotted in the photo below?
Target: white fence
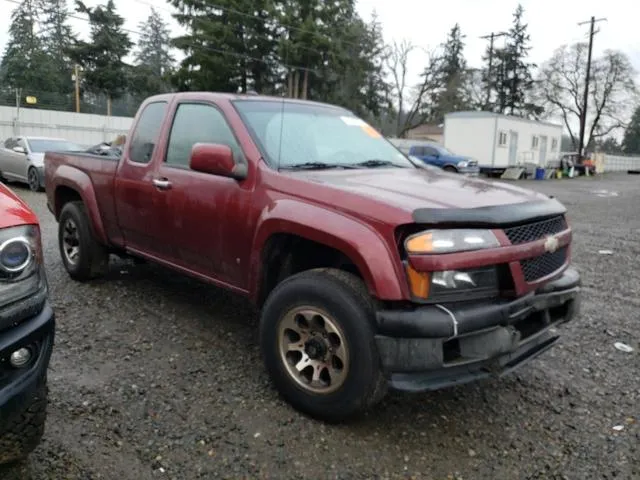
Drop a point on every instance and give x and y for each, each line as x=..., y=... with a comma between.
x=82, y=128
x=620, y=163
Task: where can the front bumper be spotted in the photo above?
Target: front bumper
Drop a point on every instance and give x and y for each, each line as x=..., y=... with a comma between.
x=469, y=171
x=435, y=346
x=19, y=386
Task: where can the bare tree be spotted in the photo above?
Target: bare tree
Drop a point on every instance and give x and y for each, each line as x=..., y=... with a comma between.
x=611, y=92
x=412, y=108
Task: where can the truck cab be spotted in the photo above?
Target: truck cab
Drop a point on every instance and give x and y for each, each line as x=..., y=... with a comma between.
x=27, y=326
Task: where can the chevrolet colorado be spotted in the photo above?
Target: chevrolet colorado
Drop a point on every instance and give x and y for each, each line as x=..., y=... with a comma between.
x=27, y=326
x=369, y=270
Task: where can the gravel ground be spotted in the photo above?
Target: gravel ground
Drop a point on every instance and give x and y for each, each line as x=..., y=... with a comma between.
x=157, y=376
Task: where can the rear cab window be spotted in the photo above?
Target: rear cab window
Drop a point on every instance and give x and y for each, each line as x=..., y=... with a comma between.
x=145, y=135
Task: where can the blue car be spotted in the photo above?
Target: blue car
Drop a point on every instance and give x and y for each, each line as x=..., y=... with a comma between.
x=438, y=156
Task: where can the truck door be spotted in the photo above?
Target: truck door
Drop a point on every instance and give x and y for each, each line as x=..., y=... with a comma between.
x=205, y=214
x=139, y=204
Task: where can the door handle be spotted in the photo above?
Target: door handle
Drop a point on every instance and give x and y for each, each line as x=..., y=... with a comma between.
x=162, y=183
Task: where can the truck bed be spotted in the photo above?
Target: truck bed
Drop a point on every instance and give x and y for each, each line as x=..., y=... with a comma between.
x=100, y=170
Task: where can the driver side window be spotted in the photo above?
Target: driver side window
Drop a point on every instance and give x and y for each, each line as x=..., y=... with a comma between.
x=198, y=123
x=430, y=151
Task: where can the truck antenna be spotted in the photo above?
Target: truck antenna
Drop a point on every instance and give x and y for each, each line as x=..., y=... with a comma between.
x=286, y=61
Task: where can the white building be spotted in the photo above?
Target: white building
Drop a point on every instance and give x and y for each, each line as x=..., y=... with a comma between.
x=500, y=141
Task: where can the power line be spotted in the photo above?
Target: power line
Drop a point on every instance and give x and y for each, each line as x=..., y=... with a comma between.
x=585, y=101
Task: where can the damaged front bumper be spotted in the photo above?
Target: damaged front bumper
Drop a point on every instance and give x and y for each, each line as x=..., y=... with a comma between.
x=435, y=346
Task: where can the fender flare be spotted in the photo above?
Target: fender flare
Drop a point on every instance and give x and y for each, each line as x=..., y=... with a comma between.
x=80, y=182
x=365, y=247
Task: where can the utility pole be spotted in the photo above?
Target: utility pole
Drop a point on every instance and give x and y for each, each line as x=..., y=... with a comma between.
x=491, y=38
x=16, y=128
x=76, y=77
x=585, y=100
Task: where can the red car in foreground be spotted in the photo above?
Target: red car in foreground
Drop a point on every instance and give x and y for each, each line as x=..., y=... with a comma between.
x=369, y=270
x=27, y=326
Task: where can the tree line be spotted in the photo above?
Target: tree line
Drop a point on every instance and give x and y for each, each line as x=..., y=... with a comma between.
x=306, y=49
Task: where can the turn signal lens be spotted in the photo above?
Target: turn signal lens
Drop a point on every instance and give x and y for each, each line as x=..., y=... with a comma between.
x=419, y=282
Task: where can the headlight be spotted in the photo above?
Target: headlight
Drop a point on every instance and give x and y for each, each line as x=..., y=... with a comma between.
x=450, y=241
x=463, y=164
x=21, y=265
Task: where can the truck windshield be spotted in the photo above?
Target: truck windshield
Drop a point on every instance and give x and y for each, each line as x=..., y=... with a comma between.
x=52, y=145
x=300, y=135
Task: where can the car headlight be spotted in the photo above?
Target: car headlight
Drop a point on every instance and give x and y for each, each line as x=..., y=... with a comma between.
x=21, y=264
x=463, y=164
x=450, y=241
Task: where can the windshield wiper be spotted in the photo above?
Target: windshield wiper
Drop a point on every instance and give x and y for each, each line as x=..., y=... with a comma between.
x=314, y=166
x=377, y=163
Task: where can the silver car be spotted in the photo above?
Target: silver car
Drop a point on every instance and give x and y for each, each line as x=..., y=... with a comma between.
x=22, y=158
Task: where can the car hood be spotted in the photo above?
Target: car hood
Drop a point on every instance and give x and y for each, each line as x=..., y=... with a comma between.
x=37, y=159
x=409, y=189
x=13, y=211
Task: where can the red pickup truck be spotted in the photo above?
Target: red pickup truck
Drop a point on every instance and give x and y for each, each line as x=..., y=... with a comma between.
x=369, y=270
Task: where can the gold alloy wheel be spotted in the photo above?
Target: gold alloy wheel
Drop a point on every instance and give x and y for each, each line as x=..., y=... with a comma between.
x=313, y=350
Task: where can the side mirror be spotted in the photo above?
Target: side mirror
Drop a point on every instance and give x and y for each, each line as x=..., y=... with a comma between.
x=19, y=149
x=216, y=159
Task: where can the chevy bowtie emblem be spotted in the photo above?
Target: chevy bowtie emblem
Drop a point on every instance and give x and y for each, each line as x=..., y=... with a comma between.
x=551, y=244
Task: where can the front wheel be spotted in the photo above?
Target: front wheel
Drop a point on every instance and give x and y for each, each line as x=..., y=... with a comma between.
x=450, y=169
x=33, y=178
x=318, y=344
x=83, y=256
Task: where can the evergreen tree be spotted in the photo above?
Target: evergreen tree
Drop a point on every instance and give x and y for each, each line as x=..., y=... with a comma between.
x=154, y=46
x=631, y=141
x=229, y=45
x=57, y=37
x=154, y=62
x=104, y=71
x=517, y=80
x=451, y=96
x=25, y=64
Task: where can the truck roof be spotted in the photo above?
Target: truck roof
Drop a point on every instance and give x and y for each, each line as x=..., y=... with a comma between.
x=217, y=96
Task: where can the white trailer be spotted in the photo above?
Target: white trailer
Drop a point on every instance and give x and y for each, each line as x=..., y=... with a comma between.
x=501, y=141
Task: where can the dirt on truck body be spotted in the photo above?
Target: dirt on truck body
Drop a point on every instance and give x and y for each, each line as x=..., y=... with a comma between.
x=369, y=271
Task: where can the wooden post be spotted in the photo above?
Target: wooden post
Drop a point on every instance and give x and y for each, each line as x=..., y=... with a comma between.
x=108, y=105
x=296, y=84
x=305, y=84
x=290, y=84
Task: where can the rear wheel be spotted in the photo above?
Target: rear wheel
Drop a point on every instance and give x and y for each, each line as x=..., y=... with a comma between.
x=83, y=256
x=318, y=344
x=23, y=433
x=33, y=178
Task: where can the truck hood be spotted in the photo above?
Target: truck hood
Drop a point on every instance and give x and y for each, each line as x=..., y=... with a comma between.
x=411, y=189
x=13, y=211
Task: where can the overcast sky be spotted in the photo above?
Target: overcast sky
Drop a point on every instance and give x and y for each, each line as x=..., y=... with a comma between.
x=426, y=23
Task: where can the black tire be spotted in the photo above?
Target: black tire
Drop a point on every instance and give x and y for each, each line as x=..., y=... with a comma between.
x=344, y=297
x=93, y=258
x=450, y=169
x=24, y=432
x=33, y=180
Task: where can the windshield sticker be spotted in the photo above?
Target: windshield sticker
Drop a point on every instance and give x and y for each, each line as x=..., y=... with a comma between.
x=353, y=121
x=369, y=130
